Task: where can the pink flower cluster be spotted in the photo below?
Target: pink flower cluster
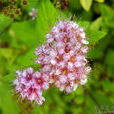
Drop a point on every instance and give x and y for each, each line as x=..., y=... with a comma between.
x=30, y=84
x=63, y=63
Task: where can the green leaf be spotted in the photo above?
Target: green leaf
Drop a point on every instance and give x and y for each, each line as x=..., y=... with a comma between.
x=94, y=36
x=98, y=51
x=32, y=4
x=5, y=37
x=26, y=32
x=92, y=33
x=5, y=21
x=110, y=58
x=107, y=14
x=84, y=24
x=108, y=85
x=79, y=99
x=100, y=1
x=101, y=98
x=27, y=58
x=4, y=51
x=86, y=4
x=96, y=24
x=47, y=16
x=110, y=71
x=95, y=53
x=89, y=107
x=7, y=102
x=8, y=79
x=74, y=5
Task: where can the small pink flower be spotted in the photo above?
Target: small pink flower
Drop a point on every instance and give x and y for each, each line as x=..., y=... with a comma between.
x=41, y=80
x=62, y=79
x=33, y=13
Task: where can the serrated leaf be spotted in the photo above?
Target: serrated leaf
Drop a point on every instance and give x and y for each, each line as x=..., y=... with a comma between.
x=86, y=4
x=94, y=36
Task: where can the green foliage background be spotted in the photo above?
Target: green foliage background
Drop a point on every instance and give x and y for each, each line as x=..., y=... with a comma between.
x=19, y=38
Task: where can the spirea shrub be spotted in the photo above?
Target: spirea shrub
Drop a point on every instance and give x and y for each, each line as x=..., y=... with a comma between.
x=63, y=63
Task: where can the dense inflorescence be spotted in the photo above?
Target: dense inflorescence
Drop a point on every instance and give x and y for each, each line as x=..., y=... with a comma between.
x=63, y=63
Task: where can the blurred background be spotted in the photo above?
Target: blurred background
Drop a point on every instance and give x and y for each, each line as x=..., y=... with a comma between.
x=21, y=33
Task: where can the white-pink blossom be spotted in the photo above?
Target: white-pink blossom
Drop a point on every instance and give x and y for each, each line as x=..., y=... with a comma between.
x=63, y=63
x=31, y=84
x=67, y=63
